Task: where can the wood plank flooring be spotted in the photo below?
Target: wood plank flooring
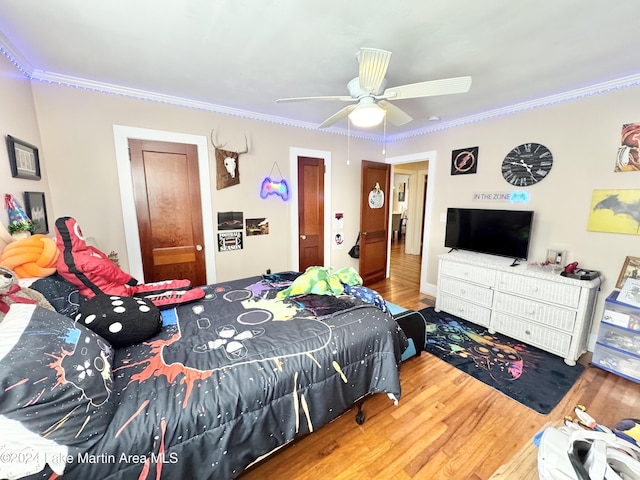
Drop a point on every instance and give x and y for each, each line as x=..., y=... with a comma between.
x=447, y=425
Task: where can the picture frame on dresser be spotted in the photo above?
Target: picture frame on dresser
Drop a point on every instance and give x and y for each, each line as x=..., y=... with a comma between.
x=23, y=159
x=630, y=268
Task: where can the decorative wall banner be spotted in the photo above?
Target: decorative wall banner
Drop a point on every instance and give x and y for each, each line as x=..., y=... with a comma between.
x=615, y=211
x=517, y=196
x=228, y=241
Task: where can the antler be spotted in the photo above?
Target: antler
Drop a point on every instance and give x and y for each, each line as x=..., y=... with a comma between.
x=246, y=145
x=221, y=147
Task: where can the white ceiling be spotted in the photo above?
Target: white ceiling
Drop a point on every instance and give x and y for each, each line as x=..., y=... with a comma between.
x=234, y=54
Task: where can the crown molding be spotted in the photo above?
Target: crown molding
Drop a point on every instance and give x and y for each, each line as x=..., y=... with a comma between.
x=9, y=50
x=576, y=94
x=22, y=64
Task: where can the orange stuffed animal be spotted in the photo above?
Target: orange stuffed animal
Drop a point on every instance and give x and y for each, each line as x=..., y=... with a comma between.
x=31, y=257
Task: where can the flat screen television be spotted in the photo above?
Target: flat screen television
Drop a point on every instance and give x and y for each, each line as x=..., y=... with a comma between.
x=496, y=232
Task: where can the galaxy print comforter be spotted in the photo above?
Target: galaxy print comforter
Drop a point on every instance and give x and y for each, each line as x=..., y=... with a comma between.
x=235, y=376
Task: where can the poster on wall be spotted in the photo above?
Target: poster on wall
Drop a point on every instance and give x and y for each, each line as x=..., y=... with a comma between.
x=464, y=160
x=628, y=159
x=615, y=211
x=229, y=241
x=257, y=226
x=230, y=220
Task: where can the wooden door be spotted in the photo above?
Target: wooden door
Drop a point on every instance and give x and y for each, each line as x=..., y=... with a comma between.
x=374, y=220
x=310, y=212
x=166, y=187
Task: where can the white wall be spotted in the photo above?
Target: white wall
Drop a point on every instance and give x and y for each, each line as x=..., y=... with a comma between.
x=77, y=134
x=583, y=136
x=18, y=119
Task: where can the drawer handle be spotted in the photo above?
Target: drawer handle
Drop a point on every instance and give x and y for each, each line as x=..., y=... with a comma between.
x=532, y=311
x=527, y=332
x=534, y=289
x=463, y=291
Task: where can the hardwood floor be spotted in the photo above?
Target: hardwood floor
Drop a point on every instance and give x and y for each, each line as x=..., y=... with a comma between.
x=447, y=425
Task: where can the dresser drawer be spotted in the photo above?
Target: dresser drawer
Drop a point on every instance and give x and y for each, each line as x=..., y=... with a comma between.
x=545, y=290
x=469, y=291
x=538, y=335
x=468, y=272
x=560, y=318
x=463, y=309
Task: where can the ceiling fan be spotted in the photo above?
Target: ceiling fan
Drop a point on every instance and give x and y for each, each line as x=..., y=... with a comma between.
x=372, y=97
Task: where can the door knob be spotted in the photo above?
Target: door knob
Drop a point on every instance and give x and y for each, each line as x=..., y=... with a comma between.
x=199, y=248
x=303, y=237
x=364, y=233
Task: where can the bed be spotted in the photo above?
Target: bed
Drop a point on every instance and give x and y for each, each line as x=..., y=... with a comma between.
x=228, y=380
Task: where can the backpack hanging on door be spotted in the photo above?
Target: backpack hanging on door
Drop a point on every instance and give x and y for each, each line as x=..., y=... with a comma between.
x=354, y=252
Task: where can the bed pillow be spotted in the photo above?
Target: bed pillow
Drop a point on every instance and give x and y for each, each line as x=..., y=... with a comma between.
x=122, y=321
x=56, y=383
x=62, y=295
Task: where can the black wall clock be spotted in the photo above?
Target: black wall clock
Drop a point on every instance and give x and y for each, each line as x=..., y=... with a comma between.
x=527, y=164
x=464, y=160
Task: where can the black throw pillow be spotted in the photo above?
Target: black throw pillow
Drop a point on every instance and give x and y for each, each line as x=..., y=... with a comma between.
x=122, y=321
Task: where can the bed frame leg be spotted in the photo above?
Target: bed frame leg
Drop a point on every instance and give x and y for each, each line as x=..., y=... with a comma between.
x=360, y=417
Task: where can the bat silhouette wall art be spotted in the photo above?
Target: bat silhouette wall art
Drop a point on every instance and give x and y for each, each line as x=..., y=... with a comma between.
x=615, y=211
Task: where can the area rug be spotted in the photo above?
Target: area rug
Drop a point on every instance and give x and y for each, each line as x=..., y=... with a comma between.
x=530, y=376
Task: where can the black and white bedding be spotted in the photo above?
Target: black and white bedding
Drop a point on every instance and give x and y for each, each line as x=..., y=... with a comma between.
x=229, y=379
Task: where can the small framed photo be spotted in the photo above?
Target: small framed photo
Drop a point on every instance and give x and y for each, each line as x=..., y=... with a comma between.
x=36, y=210
x=23, y=158
x=630, y=269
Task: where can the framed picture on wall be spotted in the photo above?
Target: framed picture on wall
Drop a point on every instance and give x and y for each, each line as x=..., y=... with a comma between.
x=23, y=158
x=630, y=269
x=464, y=161
x=36, y=210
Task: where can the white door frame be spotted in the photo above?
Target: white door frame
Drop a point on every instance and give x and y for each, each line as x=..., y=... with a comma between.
x=121, y=135
x=429, y=156
x=294, y=153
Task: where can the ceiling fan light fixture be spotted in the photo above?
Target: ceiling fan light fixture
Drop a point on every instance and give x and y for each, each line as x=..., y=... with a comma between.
x=366, y=115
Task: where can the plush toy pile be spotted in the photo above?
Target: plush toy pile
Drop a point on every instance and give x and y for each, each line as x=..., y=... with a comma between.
x=93, y=272
x=107, y=300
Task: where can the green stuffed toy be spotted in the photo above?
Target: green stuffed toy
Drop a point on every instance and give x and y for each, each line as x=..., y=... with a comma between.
x=321, y=281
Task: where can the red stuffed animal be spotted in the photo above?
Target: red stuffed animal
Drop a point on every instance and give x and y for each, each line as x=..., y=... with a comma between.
x=93, y=272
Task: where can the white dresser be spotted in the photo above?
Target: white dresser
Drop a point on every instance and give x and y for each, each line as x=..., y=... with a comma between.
x=535, y=306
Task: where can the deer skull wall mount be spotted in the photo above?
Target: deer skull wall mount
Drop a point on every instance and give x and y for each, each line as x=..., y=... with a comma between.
x=227, y=164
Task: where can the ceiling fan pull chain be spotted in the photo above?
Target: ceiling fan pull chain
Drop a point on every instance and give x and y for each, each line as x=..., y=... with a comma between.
x=384, y=138
x=348, y=140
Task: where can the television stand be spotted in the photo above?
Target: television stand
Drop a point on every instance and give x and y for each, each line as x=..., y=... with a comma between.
x=535, y=306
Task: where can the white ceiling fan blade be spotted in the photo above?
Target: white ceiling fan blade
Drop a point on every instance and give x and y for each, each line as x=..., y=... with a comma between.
x=394, y=114
x=339, y=115
x=373, y=68
x=429, y=89
x=343, y=98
